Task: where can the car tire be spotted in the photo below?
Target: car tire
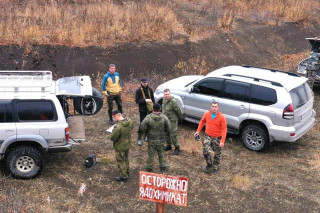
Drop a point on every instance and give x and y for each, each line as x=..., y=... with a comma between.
x=254, y=137
x=92, y=105
x=24, y=162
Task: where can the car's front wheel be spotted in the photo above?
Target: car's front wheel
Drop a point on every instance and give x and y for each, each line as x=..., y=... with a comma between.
x=24, y=162
x=254, y=137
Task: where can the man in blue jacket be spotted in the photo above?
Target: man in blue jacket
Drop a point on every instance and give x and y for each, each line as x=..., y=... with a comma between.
x=111, y=87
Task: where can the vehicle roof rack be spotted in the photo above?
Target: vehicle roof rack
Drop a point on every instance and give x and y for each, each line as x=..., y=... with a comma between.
x=256, y=79
x=273, y=70
x=25, y=81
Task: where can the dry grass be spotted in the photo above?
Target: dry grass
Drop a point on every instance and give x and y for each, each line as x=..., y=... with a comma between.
x=196, y=65
x=226, y=20
x=14, y=199
x=85, y=23
x=188, y=144
x=278, y=10
x=242, y=182
x=107, y=158
x=290, y=61
x=315, y=161
x=106, y=22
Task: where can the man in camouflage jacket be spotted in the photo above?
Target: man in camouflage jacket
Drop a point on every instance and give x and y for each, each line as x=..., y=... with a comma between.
x=171, y=109
x=121, y=137
x=156, y=125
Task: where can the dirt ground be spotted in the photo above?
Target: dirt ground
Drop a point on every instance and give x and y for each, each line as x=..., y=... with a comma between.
x=282, y=178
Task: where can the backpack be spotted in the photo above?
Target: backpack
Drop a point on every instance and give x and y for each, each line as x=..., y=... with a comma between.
x=90, y=161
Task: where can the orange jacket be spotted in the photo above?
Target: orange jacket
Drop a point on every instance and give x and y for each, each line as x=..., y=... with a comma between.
x=216, y=127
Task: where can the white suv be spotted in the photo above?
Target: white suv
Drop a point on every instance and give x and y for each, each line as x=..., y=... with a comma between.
x=32, y=119
x=263, y=105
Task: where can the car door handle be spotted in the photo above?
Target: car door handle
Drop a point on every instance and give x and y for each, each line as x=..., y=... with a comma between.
x=242, y=107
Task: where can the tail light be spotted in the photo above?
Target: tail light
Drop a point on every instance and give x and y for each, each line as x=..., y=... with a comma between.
x=67, y=131
x=288, y=112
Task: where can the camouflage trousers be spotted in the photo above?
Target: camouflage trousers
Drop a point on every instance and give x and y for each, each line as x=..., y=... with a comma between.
x=211, y=144
x=143, y=115
x=172, y=138
x=122, y=158
x=117, y=99
x=152, y=149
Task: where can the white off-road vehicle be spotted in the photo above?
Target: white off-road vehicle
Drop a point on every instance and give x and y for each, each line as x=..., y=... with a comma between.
x=35, y=117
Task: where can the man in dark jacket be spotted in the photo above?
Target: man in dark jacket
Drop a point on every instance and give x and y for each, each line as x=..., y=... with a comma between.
x=144, y=95
x=121, y=137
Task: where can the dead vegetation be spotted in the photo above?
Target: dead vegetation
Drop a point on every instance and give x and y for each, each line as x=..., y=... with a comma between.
x=105, y=22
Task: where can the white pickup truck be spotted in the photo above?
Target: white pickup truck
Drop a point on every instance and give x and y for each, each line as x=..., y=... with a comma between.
x=35, y=117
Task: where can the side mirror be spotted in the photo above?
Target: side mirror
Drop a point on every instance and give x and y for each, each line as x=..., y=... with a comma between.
x=190, y=90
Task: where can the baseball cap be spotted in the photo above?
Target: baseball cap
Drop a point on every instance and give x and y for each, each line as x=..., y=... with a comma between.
x=115, y=112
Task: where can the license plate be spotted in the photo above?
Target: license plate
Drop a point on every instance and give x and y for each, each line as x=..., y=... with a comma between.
x=305, y=115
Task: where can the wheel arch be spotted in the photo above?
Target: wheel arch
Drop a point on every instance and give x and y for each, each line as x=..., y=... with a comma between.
x=254, y=122
x=25, y=143
x=32, y=140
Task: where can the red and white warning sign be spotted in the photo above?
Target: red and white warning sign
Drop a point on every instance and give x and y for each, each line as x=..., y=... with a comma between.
x=163, y=188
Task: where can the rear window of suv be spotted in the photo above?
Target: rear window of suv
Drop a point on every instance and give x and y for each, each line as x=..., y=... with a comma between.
x=300, y=95
x=43, y=110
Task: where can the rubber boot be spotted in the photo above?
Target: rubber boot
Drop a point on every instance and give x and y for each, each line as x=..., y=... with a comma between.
x=208, y=168
x=167, y=148
x=163, y=169
x=176, y=150
x=140, y=138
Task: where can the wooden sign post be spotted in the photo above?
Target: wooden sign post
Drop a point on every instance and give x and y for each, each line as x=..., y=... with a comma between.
x=163, y=189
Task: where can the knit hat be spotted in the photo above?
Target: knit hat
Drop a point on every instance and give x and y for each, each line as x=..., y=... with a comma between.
x=115, y=112
x=156, y=107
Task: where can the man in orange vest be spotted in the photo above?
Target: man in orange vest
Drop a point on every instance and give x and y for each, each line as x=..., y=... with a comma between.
x=215, y=135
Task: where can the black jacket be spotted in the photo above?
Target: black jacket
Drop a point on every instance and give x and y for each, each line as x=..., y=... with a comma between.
x=141, y=101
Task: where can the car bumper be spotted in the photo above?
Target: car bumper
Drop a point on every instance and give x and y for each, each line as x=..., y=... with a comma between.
x=64, y=148
x=280, y=133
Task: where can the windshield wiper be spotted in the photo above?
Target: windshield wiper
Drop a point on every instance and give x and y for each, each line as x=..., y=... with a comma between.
x=302, y=104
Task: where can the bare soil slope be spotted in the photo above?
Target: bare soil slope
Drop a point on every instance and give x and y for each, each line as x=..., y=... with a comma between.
x=249, y=44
